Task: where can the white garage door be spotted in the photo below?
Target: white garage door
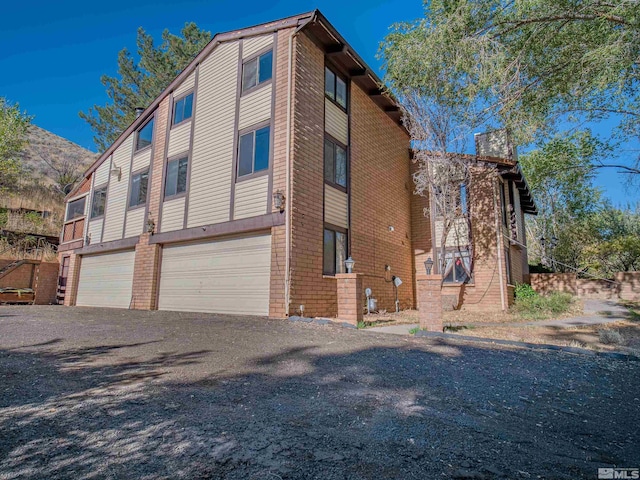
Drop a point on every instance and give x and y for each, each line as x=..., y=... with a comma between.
x=106, y=280
x=222, y=276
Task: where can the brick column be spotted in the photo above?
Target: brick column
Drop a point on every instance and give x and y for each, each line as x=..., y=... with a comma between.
x=430, y=302
x=145, y=274
x=350, y=299
x=71, y=290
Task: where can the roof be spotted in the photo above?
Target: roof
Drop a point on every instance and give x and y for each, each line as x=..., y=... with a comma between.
x=323, y=33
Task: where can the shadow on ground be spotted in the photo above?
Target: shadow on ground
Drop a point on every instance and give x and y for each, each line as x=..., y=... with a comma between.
x=412, y=411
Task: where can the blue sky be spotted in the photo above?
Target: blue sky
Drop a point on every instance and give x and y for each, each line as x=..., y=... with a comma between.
x=53, y=53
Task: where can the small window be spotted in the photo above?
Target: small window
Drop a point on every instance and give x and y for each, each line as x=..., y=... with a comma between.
x=253, y=152
x=176, y=181
x=456, y=267
x=335, y=163
x=145, y=135
x=503, y=200
x=75, y=209
x=257, y=70
x=335, y=88
x=98, y=202
x=182, y=109
x=138, y=192
x=334, y=251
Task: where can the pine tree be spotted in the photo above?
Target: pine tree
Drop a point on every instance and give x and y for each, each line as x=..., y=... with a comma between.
x=138, y=84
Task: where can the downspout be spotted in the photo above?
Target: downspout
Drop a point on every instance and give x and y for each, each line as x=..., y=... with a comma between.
x=499, y=247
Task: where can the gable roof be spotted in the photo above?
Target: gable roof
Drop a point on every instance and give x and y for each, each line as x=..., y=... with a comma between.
x=323, y=33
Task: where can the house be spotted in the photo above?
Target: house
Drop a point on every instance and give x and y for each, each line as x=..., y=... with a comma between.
x=242, y=189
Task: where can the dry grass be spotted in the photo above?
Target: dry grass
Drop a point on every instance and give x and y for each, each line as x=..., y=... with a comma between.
x=46, y=252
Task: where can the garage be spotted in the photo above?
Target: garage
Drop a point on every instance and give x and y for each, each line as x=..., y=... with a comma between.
x=106, y=280
x=222, y=276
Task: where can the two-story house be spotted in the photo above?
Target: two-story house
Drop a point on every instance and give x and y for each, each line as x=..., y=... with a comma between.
x=272, y=158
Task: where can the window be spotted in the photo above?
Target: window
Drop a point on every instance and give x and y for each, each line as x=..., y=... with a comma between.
x=145, y=135
x=253, y=152
x=335, y=163
x=453, y=197
x=98, y=202
x=456, y=267
x=335, y=251
x=176, y=181
x=75, y=209
x=257, y=70
x=503, y=201
x=335, y=88
x=182, y=109
x=138, y=191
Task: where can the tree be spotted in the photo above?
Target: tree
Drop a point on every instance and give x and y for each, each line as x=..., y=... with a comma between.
x=138, y=84
x=560, y=175
x=526, y=65
x=13, y=129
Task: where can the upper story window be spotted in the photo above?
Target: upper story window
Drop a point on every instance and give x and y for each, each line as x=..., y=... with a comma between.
x=335, y=87
x=253, y=151
x=176, y=182
x=453, y=198
x=75, y=208
x=335, y=163
x=138, y=190
x=182, y=109
x=144, y=136
x=98, y=202
x=257, y=70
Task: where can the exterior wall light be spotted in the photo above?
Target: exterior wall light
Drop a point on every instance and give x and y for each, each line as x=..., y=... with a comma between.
x=151, y=225
x=428, y=265
x=349, y=263
x=279, y=201
x=116, y=171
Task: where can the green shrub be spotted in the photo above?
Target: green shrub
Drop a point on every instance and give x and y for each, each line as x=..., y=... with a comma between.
x=539, y=307
x=524, y=290
x=4, y=216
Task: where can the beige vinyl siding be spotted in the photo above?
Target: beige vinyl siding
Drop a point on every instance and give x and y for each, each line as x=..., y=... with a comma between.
x=106, y=280
x=255, y=44
x=251, y=197
x=255, y=107
x=457, y=236
x=141, y=160
x=135, y=220
x=336, y=122
x=172, y=215
x=212, y=155
x=179, y=138
x=336, y=207
x=117, y=193
x=221, y=276
x=189, y=83
x=94, y=230
x=102, y=173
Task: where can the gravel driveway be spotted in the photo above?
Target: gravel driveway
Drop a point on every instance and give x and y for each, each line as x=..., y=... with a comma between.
x=96, y=393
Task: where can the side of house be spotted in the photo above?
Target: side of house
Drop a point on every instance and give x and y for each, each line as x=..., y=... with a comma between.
x=247, y=183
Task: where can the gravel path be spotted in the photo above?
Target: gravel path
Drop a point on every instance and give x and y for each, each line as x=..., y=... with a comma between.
x=96, y=393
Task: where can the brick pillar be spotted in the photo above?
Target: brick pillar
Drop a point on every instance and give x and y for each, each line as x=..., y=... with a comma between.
x=145, y=274
x=430, y=302
x=350, y=300
x=71, y=290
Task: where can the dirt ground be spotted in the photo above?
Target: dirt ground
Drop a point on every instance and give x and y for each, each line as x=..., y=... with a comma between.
x=97, y=393
x=511, y=326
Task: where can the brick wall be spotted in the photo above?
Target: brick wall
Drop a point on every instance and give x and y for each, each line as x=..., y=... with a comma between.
x=21, y=277
x=145, y=274
x=554, y=282
x=73, y=276
x=380, y=194
x=277, y=288
x=421, y=236
x=46, y=283
x=308, y=286
x=157, y=162
x=381, y=191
